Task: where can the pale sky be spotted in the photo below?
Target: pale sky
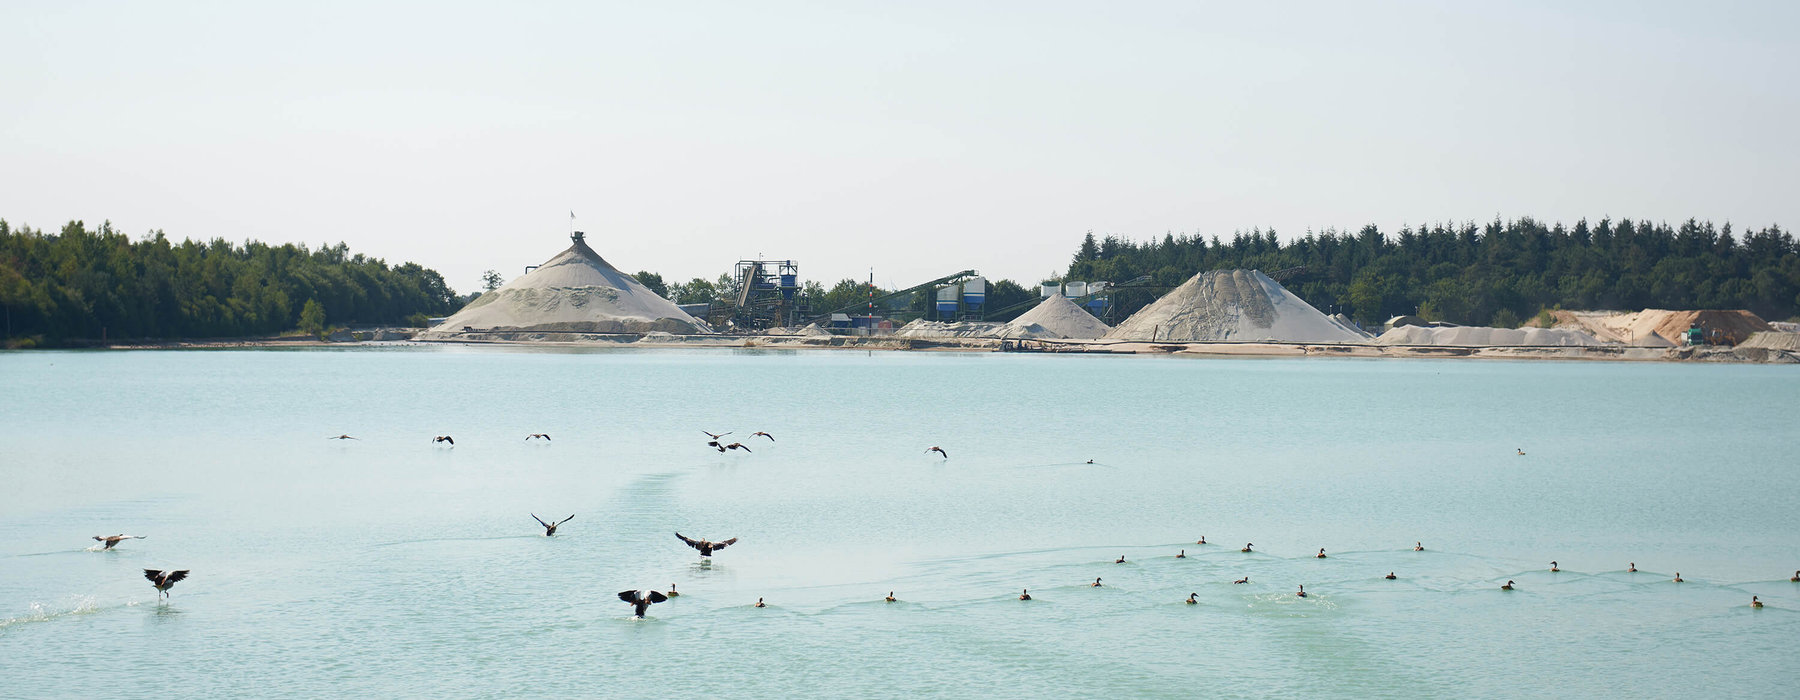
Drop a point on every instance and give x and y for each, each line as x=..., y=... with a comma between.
x=917, y=138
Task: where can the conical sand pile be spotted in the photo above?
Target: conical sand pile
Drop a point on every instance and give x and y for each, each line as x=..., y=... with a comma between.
x=1233, y=305
x=1062, y=318
x=575, y=291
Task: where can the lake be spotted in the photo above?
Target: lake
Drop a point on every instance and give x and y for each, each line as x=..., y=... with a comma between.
x=393, y=566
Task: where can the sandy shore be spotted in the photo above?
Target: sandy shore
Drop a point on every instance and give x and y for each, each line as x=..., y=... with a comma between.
x=1616, y=353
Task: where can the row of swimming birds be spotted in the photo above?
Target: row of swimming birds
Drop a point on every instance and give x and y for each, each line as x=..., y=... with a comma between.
x=641, y=599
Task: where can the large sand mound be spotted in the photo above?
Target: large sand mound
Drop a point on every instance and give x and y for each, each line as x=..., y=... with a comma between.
x=1774, y=341
x=1233, y=305
x=1480, y=336
x=575, y=291
x=1061, y=318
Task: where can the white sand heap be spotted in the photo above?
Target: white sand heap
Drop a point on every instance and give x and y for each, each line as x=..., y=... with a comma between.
x=1773, y=340
x=961, y=329
x=1481, y=336
x=1233, y=305
x=1057, y=317
x=575, y=291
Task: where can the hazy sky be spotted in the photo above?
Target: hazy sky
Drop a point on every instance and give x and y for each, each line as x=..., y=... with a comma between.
x=917, y=138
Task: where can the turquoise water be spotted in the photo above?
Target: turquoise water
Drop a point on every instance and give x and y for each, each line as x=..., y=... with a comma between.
x=389, y=566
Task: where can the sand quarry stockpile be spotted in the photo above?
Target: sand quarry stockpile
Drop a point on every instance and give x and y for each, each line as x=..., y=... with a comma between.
x=575, y=291
x=1480, y=336
x=1059, y=318
x=1773, y=340
x=1672, y=326
x=1233, y=305
x=961, y=329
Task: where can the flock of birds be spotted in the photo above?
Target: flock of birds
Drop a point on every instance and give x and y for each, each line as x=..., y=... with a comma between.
x=641, y=599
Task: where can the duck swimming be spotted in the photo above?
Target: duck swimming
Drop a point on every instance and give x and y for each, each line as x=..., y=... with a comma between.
x=1418, y=546
x=1678, y=577
x=1632, y=569
x=890, y=596
x=1754, y=602
x=1247, y=546
x=1202, y=540
x=1096, y=583
x=1191, y=600
x=1024, y=594
x=1321, y=554
x=759, y=604
x=1302, y=592
x=1390, y=576
x=672, y=593
x=1553, y=567
x=1181, y=554
x=1245, y=579
x=1120, y=560
x=1508, y=586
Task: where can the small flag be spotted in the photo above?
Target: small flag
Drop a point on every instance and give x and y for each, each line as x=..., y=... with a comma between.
x=571, y=213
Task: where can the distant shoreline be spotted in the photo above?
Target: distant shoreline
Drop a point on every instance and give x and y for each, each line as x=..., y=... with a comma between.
x=1613, y=353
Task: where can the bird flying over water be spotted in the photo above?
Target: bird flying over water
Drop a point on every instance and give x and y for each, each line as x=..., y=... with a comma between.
x=111, y=540
x=342, y=437
x=534, y=436
x=164, y=580
x=939, y=450
x=735, y=446
x=640, y=601
x=706, y=547
x=444, y=438
x=714, y=436
x=763, y=434
x=550, y=528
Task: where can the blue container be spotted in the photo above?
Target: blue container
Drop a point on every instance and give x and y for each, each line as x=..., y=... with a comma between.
x=946, y=307
x=789, y=282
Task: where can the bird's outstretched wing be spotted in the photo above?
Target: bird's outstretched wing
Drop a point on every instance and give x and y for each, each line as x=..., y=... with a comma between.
x=540, y=520
x=657, y=597
x=630, y=596
x=177, y=575
x=98, y=538
x=721, y=545
x=153, y=575
x=546, y=437
x=448, y=439
x=690, y=542
x=564, y=520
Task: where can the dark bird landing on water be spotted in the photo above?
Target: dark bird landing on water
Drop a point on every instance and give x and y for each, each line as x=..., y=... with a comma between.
x=164, y=580
x=706, y=547
x=444, y=438
x=641, y=601
x=111, y=540
x=939, y=450
x=763, y=434
x=550, y=528
x=342, y=437
x=534, y=436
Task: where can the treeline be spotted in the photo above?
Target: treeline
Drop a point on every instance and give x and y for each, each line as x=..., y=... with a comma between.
x=846, y=292
x=1499, y=274
x=79, y=284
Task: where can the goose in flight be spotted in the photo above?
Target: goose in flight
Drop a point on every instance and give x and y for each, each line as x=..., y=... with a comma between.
x=164, y=580
x=343, y=437
x=550, y=528
x=715, y=436
x=735, y=446
x=534, y=436
x=763, y=434
x=939, y=450
x=640, y=601
x=706, y=547
x=111, y=540
x=444, y=438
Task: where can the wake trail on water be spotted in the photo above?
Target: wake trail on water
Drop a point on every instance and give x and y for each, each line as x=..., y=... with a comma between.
x=43, y=612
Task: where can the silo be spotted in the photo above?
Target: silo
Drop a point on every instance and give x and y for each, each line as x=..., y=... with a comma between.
x=1074, y=289
x=974, y=294
x=1049, y=289
x=946, y=302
